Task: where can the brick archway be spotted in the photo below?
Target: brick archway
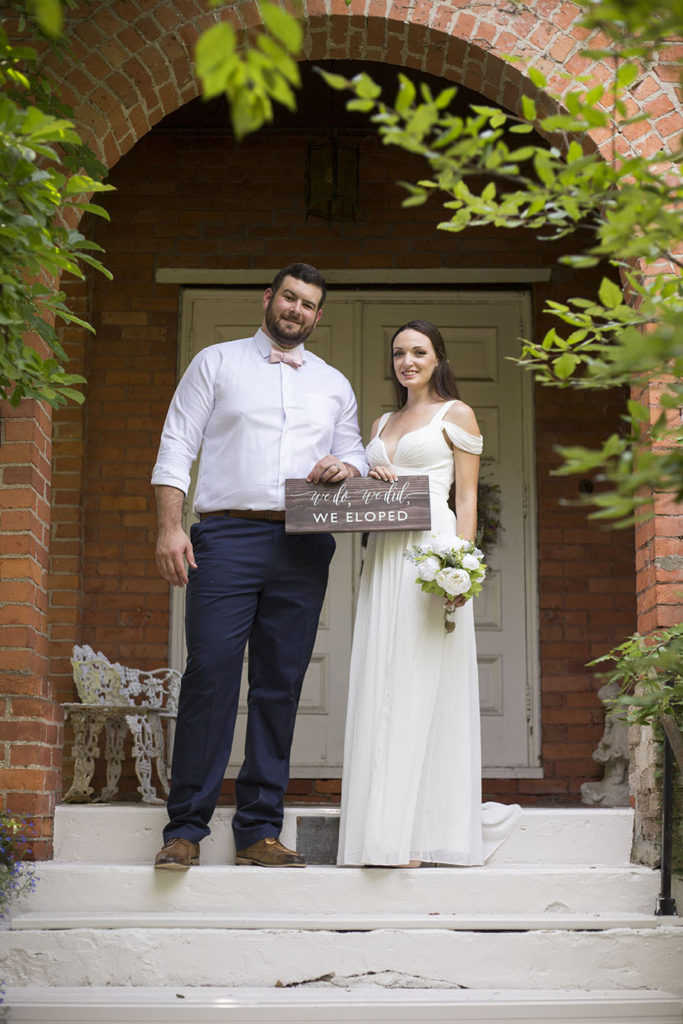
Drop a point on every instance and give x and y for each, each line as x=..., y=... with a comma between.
x=132, y=61
x=132, y=65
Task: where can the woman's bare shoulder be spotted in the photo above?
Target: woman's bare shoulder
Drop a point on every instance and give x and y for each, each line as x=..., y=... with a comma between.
x=463, y=416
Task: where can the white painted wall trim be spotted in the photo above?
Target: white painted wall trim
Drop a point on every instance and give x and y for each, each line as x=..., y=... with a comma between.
x=389, y=275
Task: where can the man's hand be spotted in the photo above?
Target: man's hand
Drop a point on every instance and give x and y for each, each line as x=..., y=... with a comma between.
x=330, y=470
x=173, y=549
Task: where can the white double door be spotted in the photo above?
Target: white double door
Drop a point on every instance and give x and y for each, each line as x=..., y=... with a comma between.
x=481, y=331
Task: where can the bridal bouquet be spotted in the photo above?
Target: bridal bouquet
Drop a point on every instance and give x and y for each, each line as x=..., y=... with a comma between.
x=449, y=567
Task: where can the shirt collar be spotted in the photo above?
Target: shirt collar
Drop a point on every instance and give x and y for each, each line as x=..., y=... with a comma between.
x=263, y=344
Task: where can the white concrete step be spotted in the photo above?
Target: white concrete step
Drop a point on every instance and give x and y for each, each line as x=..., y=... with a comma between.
x=318, y=1004
x=559, y=910
x=499, y=889
x=626, y=959
x=131, y=834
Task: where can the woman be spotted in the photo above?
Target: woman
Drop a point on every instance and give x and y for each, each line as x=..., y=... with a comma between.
x=411, y=791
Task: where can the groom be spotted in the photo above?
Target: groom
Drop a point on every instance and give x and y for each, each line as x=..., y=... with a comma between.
x=262, y=409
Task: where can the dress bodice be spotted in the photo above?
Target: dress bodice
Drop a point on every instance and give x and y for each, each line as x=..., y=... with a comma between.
x=426, y=450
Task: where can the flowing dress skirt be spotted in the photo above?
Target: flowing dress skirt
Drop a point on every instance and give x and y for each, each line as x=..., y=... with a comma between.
x=412, y=760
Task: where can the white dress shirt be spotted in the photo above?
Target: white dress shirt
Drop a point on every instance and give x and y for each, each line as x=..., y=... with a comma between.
x=257, y=423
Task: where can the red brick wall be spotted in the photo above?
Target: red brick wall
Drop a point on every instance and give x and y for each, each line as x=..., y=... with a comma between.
x=659, y=548
x=30, y=722
x=198, y=201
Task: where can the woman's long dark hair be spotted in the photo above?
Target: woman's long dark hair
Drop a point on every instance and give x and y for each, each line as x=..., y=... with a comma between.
x=442, y=382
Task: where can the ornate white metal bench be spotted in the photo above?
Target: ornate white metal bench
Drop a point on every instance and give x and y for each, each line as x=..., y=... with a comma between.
x=119, y=700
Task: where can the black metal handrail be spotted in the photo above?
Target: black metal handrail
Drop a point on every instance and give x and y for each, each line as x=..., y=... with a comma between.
x=666, y=904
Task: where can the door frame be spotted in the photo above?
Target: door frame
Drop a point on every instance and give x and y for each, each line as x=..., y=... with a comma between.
x=458, y=291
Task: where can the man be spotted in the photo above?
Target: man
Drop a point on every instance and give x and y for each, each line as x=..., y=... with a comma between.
x=262, y=410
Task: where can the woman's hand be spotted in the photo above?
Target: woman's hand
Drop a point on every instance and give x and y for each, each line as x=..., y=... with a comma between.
x=387, y=473
x=450, y=604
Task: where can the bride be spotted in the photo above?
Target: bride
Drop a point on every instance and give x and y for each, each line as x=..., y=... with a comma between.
x=411, y=791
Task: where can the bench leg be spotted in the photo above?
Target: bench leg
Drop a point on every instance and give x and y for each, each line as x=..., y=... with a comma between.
x=87, y=726
x=115, y=732
x=143, y=751
x=160, y=753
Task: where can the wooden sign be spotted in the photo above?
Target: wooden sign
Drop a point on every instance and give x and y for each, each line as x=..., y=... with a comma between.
x=357, y=504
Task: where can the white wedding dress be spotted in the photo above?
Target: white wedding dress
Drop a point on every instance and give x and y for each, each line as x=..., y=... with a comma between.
x=412, y=755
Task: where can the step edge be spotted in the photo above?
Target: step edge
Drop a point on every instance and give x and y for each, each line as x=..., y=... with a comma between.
x=331, y=994
x=505, y=868
x=341, y=922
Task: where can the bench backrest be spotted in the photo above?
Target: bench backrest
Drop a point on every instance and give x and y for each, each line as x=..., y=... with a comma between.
x=100, y=681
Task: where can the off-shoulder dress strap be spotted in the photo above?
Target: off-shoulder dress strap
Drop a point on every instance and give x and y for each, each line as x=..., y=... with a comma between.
x=462, y=439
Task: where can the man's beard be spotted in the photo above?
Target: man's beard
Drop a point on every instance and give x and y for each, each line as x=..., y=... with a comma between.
x=298, y=334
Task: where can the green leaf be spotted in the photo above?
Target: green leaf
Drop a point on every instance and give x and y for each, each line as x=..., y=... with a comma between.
x=336, y=82
x=364, y=86
x=406, y=94
x=49, y=15
x=363, y=105
x=529, y=108
x=215, y=57
x=544, y=169
x=537, y=77
x=565, y=365
x=593, y=95
x=639, y=412
x=446, y=97
x=279, y=64
x=610, y=294
x=627, y=74
x=283, y=26
x=78, y=183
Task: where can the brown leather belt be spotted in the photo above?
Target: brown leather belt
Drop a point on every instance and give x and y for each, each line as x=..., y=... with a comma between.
x=270, y=515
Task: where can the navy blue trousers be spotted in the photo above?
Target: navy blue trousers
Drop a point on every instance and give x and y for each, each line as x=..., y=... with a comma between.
x=256, y=583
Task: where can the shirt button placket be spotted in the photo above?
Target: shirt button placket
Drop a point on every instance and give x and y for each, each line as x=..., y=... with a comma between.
x=284, y=443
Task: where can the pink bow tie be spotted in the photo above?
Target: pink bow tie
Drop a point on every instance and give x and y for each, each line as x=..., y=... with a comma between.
x=293, y=357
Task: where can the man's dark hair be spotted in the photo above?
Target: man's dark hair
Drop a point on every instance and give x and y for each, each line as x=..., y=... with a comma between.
x=302, y=272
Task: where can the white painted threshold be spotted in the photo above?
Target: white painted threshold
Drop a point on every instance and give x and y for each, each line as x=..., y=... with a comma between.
x=419, y=277
x=336, y=1005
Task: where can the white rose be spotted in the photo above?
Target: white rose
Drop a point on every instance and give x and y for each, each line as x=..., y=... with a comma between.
x=457, y=543
x=453, y=581
x=428, y=568
x=470, y=562
x=441, y=545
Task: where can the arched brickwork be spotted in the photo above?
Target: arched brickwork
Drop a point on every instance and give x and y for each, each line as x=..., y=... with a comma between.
x=133, y=58
x=131, y=66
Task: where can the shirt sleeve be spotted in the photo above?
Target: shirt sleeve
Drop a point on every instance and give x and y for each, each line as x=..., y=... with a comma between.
x=348, y=445
x=462, y=439
x=183, y=431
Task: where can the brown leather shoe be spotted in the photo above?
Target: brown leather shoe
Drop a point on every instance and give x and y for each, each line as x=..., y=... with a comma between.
x=270, y=853
x=177, y=855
